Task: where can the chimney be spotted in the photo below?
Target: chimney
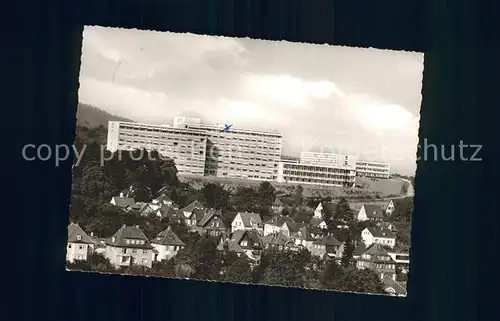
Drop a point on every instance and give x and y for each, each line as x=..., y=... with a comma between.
x=169, y=228
x=91, y=233
x=121, y=194
x=137, y=226
x=124, y=225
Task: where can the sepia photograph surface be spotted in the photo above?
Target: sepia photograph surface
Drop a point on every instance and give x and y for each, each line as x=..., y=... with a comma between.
x=245, y=161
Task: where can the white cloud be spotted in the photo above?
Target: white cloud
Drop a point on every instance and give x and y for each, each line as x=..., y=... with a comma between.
x=288, y=90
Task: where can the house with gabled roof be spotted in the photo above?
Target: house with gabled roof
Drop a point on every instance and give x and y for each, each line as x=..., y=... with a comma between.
x=129, y=246
x=389, y=208
x=318, y=222
x=277, y=206
x=328, y=246
x=79, y=244
x=122, y=201
x=149, y=209
x=163, y=199
x=275, y=240
x=371, y=212
x=378, y=235
x=167, y=244
x=247, y=221
x=328, y=206
x=401, y=255
x=247, y=242
x=188, y=210
x=137, y=206
x=377, y=259
x=275, y=224
x=212, y=223
x=195, y=217
x=170, y=213
x=392, y=287
x=304, y=237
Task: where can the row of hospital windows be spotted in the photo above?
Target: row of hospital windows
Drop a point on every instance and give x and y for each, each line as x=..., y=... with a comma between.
x=201, y=129
x=321, y=170
x=318, y=176
x=247, y=176
x=212, y=129
x=377, y=266
x=372, y=165
x=319, y=181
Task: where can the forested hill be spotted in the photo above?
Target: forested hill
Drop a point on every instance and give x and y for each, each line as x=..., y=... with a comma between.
x=90, y=116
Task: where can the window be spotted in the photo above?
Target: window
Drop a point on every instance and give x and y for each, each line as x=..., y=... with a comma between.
x=134, y=250
x=124, y=251
x=80, y=247
x=144, y=261
x=144, y=251
x=79, y=237
x=127, y=241
x=69, y=246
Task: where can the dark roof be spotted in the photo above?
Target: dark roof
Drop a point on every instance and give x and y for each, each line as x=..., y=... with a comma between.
x=328, y=241
x=253, y=237
x=279, y=220
x=400, y=248
x=374, y=211
x=163, y=198
x=378, y=231
x=249, y=218
x=278, y=202
x=199, y=213
x=74, y=230
x=208, y=215
x=119, y=239
x=360, y=249
x=315, y=221
x=168, y=237
x=123, y=202
x=390, y=283
x=275, y=239
x=137, y=206
x=294, y=227
x=189, y=208
x=376, y=251
x=168, y=211
x=330, y=206
x=304, y=233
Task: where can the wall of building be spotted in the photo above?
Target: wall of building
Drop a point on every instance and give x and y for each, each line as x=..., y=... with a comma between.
x=373, y=169
x=78, y=251
x=115, y=254
x=316, y=175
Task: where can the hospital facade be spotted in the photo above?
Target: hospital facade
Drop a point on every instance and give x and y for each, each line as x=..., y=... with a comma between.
x=219, y=150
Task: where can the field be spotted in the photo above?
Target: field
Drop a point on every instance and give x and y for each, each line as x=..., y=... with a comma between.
x=368, y=188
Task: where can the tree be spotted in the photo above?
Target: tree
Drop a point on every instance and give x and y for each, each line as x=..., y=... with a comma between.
x=343, y=212
x=246, y=199
x=347, y=253
x=299, y=195
x=332, y=275
x=267, y=194
x=206, y=259
x=239, y=271
x=285, y=268
x=363, y=281
x=215, y=196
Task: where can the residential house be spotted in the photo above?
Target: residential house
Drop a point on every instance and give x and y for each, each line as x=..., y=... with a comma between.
x=246, y=242
x=401, y=255
x=289, y=226
x=168, y=212
x=122, y=201
x=195, y=217
x=166, y=244
x=275, y=240
x=149, y=209
x=129, y=246
x=137, y=206
x=188, y=210
x=212, y=223
x=392, y=287
x=163, y=199
x=303, y=237
x=318, y=222
x=359, y=249
x=275, y=224
x=389, y=208
x=328, y=206
x=376, y=234
x=328, y=246
x=79, y=245
x=247, y=221
x=277, y=206
x=377, y=259
x=371, y=212
x=100, y=244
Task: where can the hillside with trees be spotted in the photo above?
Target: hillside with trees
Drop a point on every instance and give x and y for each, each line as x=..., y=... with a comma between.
x=90, y=116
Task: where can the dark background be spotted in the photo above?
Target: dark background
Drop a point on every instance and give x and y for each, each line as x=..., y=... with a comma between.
x=455, y=202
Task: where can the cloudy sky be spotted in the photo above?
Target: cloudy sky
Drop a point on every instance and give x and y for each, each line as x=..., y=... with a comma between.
x=344, y=99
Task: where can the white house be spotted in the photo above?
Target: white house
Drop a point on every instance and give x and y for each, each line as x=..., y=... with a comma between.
x=188, y=210
x=122, y=201
x=167, y=244
x=79, y=245
x=247, y=221
x=371, y=212
x=163, y=200
x=389, y=208
x=275, y=224
x=378, y=235
x=129, y=246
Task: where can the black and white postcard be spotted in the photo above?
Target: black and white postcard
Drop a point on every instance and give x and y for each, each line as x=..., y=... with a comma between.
x=245, y=161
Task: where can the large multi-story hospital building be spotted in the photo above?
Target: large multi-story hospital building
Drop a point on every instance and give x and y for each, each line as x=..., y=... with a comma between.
x=222, y=151
x=373, y=169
